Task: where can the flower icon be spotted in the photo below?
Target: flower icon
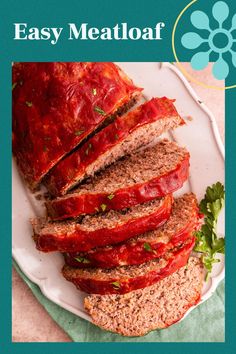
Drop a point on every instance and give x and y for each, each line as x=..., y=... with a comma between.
x=220, y=40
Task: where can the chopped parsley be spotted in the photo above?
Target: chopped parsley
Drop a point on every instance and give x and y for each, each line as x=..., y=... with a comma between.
x=14, y=85
x=207, y=241
x=28, y=103
x=110, y=196
x=147, y=247
x=99, y=110
x=116, y=285
x=79, y=132
x=94, y=91
x=116, y=136
x=88, y=148
x=103, y=207
x=44, y=148
x=82, y=260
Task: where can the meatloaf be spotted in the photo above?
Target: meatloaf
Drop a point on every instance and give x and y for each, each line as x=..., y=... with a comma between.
x=57, y=105
x=155, y=307
x=123, y=136
x=183, y=220
x=124, y=279
x=135, y=179
x=101, y=229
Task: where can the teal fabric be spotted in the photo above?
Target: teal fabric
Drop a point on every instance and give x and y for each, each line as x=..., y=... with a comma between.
x=203, y=324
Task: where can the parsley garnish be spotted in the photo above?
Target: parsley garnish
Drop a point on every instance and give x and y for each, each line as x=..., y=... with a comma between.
x=82, y=260
x=44, y=148
x=79, y=132
x=116, y=285
x=147, y=247
x=110, y=196
x=207, y=241
x=103, y=207
x=94, y=91
x=14, y=85
x=99, y=110
x=88, y=148
x=28, y=103
x=116, y=136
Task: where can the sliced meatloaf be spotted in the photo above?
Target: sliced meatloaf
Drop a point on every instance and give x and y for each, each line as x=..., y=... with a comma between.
x=135, y=179
x=124, y=279
x=127, y=133
x=155, y=307
x=183, y=220
x=101, y=229
x=57, y=105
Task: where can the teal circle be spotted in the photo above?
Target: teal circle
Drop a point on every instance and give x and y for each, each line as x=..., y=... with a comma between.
x=220, y=40
x=214, y=40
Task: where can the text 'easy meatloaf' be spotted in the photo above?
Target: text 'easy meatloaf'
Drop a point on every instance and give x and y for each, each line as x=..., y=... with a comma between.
x=127, y=133
x=184, y=219
x=102, y=229
x=124, y=279
x=138, y=178
x=155, y=307
x=57, y=105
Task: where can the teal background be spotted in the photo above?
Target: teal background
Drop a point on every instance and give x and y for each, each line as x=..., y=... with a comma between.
x=105, y=13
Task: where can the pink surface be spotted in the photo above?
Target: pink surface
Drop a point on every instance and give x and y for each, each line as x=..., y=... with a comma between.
x=30, y=322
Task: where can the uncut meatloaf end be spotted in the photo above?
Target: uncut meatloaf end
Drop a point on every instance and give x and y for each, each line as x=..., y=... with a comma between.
x=58, y=105
x=127, y=133
x=101, y=229
x=184, y=219
x=155, y=307
x=123, y=279
x=152, y=173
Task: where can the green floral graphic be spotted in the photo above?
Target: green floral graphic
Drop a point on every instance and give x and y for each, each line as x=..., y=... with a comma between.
x=220, y=40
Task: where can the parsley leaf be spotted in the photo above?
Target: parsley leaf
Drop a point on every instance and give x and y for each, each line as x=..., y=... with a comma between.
x=14, y=85
x=94, y=91
x=28, y=103
x=147, y=247
x=79, y=132
x=88, y=148
x=82, y=260
x=99, y=110
x=116, y=285
x=103, y=207
x=207, y=241
x=110, y=196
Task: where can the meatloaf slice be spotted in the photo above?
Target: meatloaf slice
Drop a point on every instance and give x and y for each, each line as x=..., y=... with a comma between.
x=127, y=133
x=183, y=220
x=57, y=105
x=124, y=279
x=155, y=307
x=135, y=179
x=101, y=229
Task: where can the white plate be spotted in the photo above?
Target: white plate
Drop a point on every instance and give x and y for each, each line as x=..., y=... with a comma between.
x=200, y=136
